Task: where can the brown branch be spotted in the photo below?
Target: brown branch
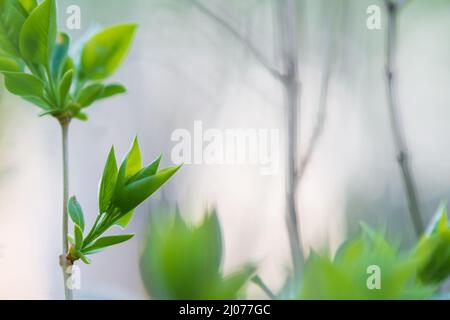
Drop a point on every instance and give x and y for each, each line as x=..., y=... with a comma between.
x=396, y=123
x=259, y=56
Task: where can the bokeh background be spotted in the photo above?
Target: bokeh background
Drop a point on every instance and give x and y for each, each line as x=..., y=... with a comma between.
x=185, y=67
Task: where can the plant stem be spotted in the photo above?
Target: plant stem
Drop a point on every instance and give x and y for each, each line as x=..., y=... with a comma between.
x=287, y=28
x=65, y=263
x=260, y=283
x=396, y=124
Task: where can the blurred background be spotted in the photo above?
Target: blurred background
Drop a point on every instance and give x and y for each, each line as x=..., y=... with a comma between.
x=186, y=66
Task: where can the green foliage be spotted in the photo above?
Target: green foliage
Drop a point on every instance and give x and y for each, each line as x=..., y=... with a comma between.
x=35, y=59
x=104, y=53
x=433, y=249
x=184, y=262
x=347, y=275
x=113, y=209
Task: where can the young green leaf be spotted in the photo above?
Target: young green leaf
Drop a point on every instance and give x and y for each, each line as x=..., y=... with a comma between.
x=124, y=221
x=64, y=86
x=23, y=84
x=38, y=35
x=12, y=18
x=105, y=242
x=78, y=234
x=129, y=167
x=60, y=54
x=84, y=258
x=41, y=104
x=9, y=65
x=147, y=171
x=108, y=182
x=29, y=5
x=137, y=192
x=76, y=213
x=439, y=220
x=112, y=90
x=105, y=51
x=89, y=94
x=81, y=116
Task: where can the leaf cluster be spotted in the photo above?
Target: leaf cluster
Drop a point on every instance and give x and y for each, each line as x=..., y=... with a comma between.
x=346, y=276
x=37, y=66
x=121, y=191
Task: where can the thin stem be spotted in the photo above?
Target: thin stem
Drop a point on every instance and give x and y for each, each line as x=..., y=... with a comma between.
x=65, y=263
x=287, y=28
x=260, y=283
x=396, y=124
x=258, y=55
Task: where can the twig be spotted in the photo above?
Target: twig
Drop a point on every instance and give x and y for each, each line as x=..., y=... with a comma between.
x=241, y=38
x=396, y=124
x=323, y=102
x=287, y=28
x=260, y=283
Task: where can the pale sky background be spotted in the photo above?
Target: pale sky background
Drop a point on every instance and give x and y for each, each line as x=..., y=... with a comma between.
x=184, y=68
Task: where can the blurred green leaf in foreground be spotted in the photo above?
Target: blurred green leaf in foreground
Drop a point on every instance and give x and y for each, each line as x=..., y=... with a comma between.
x=353, y=271
x=433, y=250
x=184, y=262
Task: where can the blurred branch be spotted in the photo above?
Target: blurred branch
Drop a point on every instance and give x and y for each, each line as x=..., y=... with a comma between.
x=287, y=27
x=331, y=51
x=402, y=3
x=396, y=123
x=260, y=283
x=259, y=56
x=320, y=122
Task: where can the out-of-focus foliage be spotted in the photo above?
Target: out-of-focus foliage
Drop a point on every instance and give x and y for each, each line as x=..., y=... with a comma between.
x=34, y=58
x=348, y=275
x=121, y=191
x=433, y=250
x=184, y=262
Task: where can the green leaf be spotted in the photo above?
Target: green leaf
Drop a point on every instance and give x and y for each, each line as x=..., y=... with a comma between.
x=23, y=84
x=112, y=90
x=210, y=234
x=75, y=212
x=134, y=160
x=137, y=192
x=104, y=52
x=228, y=288
x=9, y=65
x=12, y=18
x=130, y=165
x=89, y=94
x=125, y=220
x=172, y=243
x=147, y=171
x=29, y=5
x=40, y=103
x=108, y=182
x=84, y=258
x=38, y=35
x=64, y=86
x=68, y=65
x=105, y=242
x=60, y=54
x=439, y=220
x=78, y=234
x=81, y=116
